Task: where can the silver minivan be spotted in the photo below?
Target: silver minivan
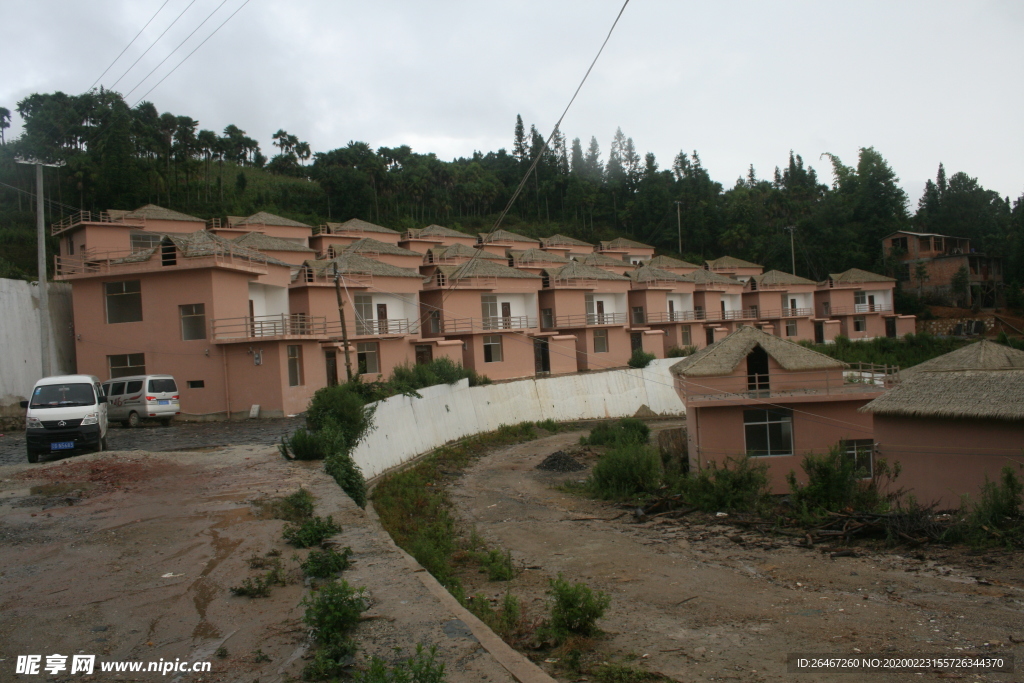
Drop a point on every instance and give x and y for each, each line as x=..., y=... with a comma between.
x=130, y=400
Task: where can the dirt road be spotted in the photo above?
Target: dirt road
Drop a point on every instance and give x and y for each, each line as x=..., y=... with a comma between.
x=702, y=601
x=130, y=557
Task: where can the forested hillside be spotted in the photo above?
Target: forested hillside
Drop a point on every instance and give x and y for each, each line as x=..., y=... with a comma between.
x=119, y=157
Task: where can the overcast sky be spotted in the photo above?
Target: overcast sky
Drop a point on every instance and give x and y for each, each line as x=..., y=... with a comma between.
x=742, y=82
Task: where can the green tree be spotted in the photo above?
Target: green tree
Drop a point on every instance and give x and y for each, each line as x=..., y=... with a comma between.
x=921, y=275
x=960, y=285
x=5, y=123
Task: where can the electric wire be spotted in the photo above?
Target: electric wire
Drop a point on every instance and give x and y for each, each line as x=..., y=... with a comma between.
x=152, y=45
x=128, y=45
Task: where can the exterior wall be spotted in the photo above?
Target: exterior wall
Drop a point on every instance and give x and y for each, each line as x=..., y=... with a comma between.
x=653, y=341
x=267, y=384
x=285, y=231
x=562, y=352
x=501, y=248
x=717, y=433
x=153, y=225
x=98, y=237
x=618, y=353
x=945, y=459
x=296, y=258
x=516, y=351
x=320, y=243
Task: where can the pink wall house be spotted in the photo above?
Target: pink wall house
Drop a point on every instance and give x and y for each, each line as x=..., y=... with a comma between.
x=341, y=234
x=500, y=241
x=422, y=239
x=862, y=302
x=563, y=245
x=626, y=250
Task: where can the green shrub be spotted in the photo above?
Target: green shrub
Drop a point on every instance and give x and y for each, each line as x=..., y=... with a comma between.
x=681, y=351
x=311, y=532
x=296, y=507
x=257, y=587
x=549, y=425
x=507, y=621
x=640, y=359
x=626, y=430
x=333, y=611
x=346, y=472
x=575, y=608
x=498, y=565
x=343, y=406
x=743, y=486
x=422, y=667
x=516, y=432
x=996, y=515
x=322, y=564
x=626, y=470
x=330, y=661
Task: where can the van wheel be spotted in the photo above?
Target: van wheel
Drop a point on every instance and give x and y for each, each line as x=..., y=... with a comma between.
x=103, y=444
x=133, y=420
x=33, y=456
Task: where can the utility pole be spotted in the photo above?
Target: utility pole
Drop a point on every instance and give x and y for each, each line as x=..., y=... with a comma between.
x=44, y=292
x=344, y=326
x=679, y=225
x=792, y=250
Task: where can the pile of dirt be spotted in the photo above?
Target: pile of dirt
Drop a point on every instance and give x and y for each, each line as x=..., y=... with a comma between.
x=560, y=461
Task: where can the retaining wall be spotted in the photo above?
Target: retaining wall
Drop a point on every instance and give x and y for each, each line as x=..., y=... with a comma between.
x=21, y=360
x=406, y=427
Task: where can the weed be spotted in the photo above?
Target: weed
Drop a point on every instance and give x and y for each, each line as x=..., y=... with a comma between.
x=739, y=484
x=311, y=532
x=422, y=667
x=640, y=359
x=575, y=608
x=626, y=470
x=548, y=425
x=346, y=472
x=996, y=515
x=834, y=482
x=330, y=661
x=322, y=564
x=333, y=611
x=681, y=351
x=523, y=430
x=259, y=657
x=253, y=588
x=507, y=621
x=626, y=430
x=296, y=507
x=497, y=564
x=221, y=652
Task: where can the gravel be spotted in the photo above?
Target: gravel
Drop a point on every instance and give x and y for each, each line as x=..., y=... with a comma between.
x=560, y=461
x=180, y=436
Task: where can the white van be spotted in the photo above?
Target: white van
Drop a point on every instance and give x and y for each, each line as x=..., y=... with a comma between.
x=65, y=413
x=142, y=397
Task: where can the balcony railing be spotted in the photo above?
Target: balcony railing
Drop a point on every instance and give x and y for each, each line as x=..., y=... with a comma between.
x=787, y=313
x=478, y=325
x=859, y=378
x=861, y=308
x=93, y=262
x=284, y=324
x=372, y=327
x=91, y=217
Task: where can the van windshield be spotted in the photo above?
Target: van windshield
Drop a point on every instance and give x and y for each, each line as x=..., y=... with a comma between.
x=60, y=395
x=158, y=386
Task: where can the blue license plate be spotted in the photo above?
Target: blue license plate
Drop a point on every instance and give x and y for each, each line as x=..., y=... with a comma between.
x=62, y=445
x=164, y=403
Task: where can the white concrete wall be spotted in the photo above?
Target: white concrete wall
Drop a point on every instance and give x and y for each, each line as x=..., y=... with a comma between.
x=21, y=361
x=406, y=427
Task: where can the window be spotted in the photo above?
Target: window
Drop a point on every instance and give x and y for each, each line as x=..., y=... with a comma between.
x=127, y=364
x=790, y=328
x=196, y=384
x=826, y=307
x=434, y=322
x=193, y=321
x=754, y=311
x=492, y=348
x=364, y=314
x=860, y=324
x=124, y=301
x=489, y=311
x=638, y=315
x=588, y=301
x=547, y=318
x=900, y=243
x=162, y=386
x=686, y=336
x=600, y=341
x=768, y=432
x=860, y=298
x=368, y=357
x=861, y=451
x=294, y=365
x=135, y=386
x=141, y=241
x=116, y=389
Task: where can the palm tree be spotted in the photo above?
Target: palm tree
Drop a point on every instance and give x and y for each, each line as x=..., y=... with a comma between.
x=5, y=122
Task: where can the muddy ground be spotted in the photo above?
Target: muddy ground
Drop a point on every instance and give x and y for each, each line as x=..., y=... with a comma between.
x=130, y=556
x=701, y=600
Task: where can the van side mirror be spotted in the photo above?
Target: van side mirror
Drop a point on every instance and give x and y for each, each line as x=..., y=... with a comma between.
x=101, y=399
x=24, y=404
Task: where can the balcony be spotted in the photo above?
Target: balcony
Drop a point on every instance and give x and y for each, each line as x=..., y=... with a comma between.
x=787, y=313
x=584, y=320
x=857, y=309
x=92, y=217
x=123, y=261
x=261, y=326
x=857, y=379
x=479, y=325
x=370, y=327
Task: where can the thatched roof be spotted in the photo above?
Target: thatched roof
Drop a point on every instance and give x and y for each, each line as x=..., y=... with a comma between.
x=653, y=274
x=368, y=245
x=965, y=394
x=156, y=213
x=463, y=251
x=436, y=231
x=574, y=270
x=856, y=275
x=505, y=236
x=529, y=255
x=777, y=277
x=982, y=355
x=669, y=262
x=483, y=268
x=709, y=277
x=722, y=357
x=563, y=241
x=358, y=225
x=597, y=259
x=257, y=240
x=354, y=264
x=265, y=218
x=623, y=243
x=198, y=244
x=731, y=262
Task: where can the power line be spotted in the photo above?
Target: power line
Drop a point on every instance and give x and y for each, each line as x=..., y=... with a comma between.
x=152, y=45
x=129, y=45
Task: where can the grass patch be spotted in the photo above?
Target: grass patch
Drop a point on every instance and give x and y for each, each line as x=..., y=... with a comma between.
x=497, y=564
x=681, y=351
x=311, y=532
x=323, y=564
x=422, y=667
x=296, y=508
x=625, y=471
x=507, y=620
x=549, y=425
x=626, y=430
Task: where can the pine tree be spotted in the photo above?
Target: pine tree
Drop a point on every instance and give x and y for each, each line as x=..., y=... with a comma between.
x=577, y=164
x=592, y=162
x=519, y=148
